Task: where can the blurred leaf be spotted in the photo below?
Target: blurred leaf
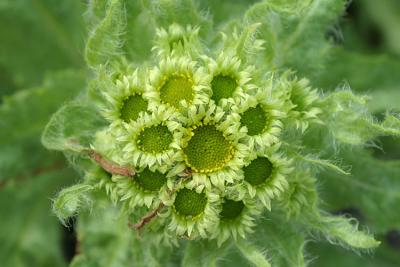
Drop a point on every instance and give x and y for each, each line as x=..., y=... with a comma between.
x=38, y=36
x=362, y=71
x=29, y=233
x=23, y=118
x=286, y=243
x=374, y=190
x=295, y=32
x=330, y=256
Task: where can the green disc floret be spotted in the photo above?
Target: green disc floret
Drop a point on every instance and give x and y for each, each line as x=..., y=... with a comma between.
x=231, y=209
x=175, y=89
x=189, y=202
x=258, y=171
x=222, y=87
x=254, y=119
x=208, y=150
x=132, y=106
x=154, y=139
x=150, y=181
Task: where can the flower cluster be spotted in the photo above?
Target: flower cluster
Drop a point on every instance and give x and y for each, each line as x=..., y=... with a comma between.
x=203, y=135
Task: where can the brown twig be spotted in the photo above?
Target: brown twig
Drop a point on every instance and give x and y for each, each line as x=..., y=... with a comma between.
x=146, y=219
x=109, y=166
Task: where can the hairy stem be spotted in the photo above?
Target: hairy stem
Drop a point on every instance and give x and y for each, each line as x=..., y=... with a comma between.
x=148, y=218
x=111, y=167
x=252, y=254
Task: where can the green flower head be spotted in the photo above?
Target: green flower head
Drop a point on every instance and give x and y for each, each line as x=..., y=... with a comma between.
x=207, y=136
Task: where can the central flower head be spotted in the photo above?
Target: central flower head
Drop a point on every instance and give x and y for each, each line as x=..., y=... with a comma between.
x=223, y=87
x=208, y=150
x=175, y=89
x=154, y=139
x=189, y=202
x=132, y=106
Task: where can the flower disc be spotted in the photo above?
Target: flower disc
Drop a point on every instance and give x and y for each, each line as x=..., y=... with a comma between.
x=208, y=150
x=222, y=87
x=150, y=181
x=231, y=209
x=132, y=106
x=155, y=139
x=176, y=89
x=189, y=202
x=258, y=171
x=254, y=119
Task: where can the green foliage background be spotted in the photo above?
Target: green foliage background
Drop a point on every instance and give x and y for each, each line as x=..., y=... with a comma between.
x=42, y=66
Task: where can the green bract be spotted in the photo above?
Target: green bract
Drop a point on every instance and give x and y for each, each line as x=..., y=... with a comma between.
x=205, y=139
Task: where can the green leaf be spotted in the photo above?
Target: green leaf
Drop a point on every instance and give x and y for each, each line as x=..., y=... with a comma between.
x=105, y=41
x=70, y=200
x=104, y=237
x=252, y=253
x=295, y=32
x=362, y=71
x=282, y=240
x=29, y=233
x=329, y=256
x=24, y=116
x=350, y=122
x=374, y=189
x=202, y=254
x=72, y=127
x=53, y=42
x=341, y=230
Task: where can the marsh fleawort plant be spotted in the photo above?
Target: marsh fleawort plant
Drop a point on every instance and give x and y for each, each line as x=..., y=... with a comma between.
x=202, y=141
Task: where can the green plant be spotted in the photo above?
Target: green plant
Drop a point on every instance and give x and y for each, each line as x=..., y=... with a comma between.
x=196, y=139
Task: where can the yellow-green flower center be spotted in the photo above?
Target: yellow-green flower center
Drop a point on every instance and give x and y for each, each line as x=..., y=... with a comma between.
x=222, y=87
x=150, y=181
x=189, y=202
x=254, y=119
x=258, y=171
x=208, y=150
x=132, y=106
x=154, y=139
x=175, y=89
x=231, y=209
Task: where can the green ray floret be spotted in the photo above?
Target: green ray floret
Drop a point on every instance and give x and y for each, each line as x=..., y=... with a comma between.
x=153, y=140
x=227, y=79
x=301, y=101
x=176, y=40
x=192, y=211
x=259, y=116
x=236, y=216
x=211, y=147
x=126, y=100
x=264, y=175
x=178, y=83
x=144, y=189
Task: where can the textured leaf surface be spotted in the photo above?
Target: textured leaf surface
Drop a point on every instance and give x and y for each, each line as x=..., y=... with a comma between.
x=30, y=234
x=38, y=36
x=23, y=118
